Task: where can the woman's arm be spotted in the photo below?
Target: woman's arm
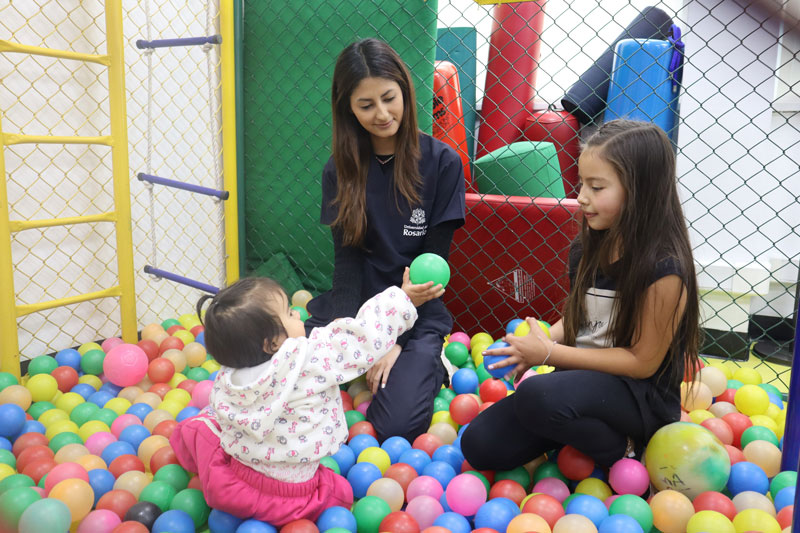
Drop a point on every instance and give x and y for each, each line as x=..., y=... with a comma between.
x=665, y=300
x=347, y=272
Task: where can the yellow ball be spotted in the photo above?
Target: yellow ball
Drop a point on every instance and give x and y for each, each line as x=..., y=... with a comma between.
x=92, y=380
x=301, y=298
x=91, y=462
x=699, y=415
x=594, y=487
x=172, y=408
x=51, y=416
x=444, y=417
x=118, y=405
x=706, y=521
x=90, y=428
x=180, y=396
x=481, y=338
x=87, y=346
x=775, y=412
x=195, y=354
x=189, y=320
x=748, y=376
x=176, y=379
x=376, y=456
x=723, y=367
x=764, y=420
x=522, y=329
x=6, y=470
x=755, y=520
x=184, y=335
x=69, y=401
x=42, y=387
x=751, y=400
x=211, y=365
x=781, y=423
x=62, y=426
x=477, y=353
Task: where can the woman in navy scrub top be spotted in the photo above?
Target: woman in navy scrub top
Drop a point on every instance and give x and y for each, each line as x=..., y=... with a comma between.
x=389, y=193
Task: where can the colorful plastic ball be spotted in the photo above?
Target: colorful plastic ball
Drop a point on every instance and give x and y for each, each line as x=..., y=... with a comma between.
x=424, y=486
x=99, y=521
x=361, y=442
x=451, y=455
x=746, y=476
x=508, y=488
x=43, y=387
x=554, y=487
x=628, y=476
x=62, y=439
x=125, y=463
x=389, y=491
x=159, y=493
x=751, y=400
x=186, y=412
x=43, y=364
x=755, y=520
x=784, y=518
x=361, y=476
x=64, y=471
x=463, y=408
x=574, y=464
x=754, y=433
x=715, y=501
x=192, y=502
x=707, y=521
x=125, y=365
x=369, y=512
x=784, y=498
x=753, y=500
x=394, y=447
x=635, y=507
x=545, y=506
x=160, y=370
x=222, y=522
x=115, y=449
x=402, y=473
x=424, y=509
x=418, y=459
x=92, y=362
x=69, y=357
x=118, y=501
x=671, y=511
x=457, y=353
x=496, y=514
x=77, y=494
x=429, y=267
x=399, y=522
x=345, y=458
x=695, y=395
x=443, y=428
x=593, y=486
x=619, y=523
x=173, y=521
x=764, y=454
x=46, y=514
x=376, y=456
x=150, y=446
x=592, y=508
x=574, y=523
x=12, y=419
x=362, y=428
x=13, y=503
x=101, y=481
x=465, y=381
x=787, y=478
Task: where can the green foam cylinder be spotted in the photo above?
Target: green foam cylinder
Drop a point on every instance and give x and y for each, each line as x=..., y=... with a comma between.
x=525, y=168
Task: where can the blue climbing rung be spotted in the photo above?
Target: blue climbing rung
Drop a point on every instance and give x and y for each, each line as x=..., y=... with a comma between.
x=222, y=195
x=177, y=278
x=183, y=41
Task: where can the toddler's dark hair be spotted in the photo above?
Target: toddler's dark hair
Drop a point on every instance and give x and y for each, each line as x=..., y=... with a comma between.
x=238, y=321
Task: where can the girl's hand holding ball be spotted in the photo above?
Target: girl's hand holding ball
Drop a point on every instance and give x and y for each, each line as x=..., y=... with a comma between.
x=532, y=348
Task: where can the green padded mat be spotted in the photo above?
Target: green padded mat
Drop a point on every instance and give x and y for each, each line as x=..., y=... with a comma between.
x=289, y=52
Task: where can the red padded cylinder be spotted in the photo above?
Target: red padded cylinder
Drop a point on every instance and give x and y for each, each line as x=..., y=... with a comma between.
x=563, y=130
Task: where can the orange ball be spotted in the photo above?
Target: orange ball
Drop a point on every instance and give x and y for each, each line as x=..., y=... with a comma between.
x=151, y=445
x=195, y=354
x=161, y=389
x=125, y=463
x=671, y=511
x=170, y=343
x=527, y=522
x=427, y=443
x=361, y=397
x=165, y=428
x=151, y=330
x=66, y=377
x=18, y=395
x=177, y=357
x=91, y=462
x=118, y=501
x=160, y=370
x=362, y=427
x=162, y=457
x=77, y=494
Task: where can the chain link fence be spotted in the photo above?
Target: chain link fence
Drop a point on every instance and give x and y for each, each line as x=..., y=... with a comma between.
x=174, y=130
x=736, y=131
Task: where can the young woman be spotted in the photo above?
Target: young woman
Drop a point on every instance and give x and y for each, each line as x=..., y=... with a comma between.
x=629, y=324
x=389, y=193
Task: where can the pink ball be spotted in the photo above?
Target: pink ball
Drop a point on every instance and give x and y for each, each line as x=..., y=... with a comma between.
x=200, y=393
x=628, y=476
x=424, y=486
x=110, y=343
x=528, y=373
x=459, y=336
x=465, y=494
x=97, y=442
x=125, y=365
x=362, y=407
x=608, y=501
x=425, y=510
x=123, y=421
x=64, y=471
x=554, y=487
x=39, y=491
x=99, y=521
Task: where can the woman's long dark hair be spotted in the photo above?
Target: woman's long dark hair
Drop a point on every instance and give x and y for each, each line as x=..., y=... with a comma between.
x=651, y=228
x=352, y=148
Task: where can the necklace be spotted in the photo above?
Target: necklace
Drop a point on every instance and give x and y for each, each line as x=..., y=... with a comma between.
x=384, y=161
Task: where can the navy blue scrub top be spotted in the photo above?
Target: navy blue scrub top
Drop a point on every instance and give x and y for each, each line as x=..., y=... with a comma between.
x=394, y=238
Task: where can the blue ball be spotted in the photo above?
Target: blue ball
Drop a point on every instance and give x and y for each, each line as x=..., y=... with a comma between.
x=5, y=444
x=496, y=514
x=465, y=381
x=440, y=471
x=100, y=398
x=174, y=521
x=361, y=476
x=359, y=443
x=109, y=387
x=186, y=412
x=443, y=502
x=453, y=522
x=101, y=481
x=450, y=454
x=255, y=526
x=417, y=459
x=140, y=410
x=337, y=517
x=619, y=523
x=747, y=476
x=589, y=506
x=598, y=474
x=134, y=435
x=784, y=497
x=492, y=359
x=115, y=449
x=213, y=375
x=774, y=398
x=512, y=326
x=84, y=389
x=201, y=338
x=222, y=522
x=69, y=357
x=12, y=420
x=345, y=458
x=395, y=446
x=32, y=426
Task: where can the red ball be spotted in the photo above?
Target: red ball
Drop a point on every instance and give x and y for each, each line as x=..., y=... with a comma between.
x=574, y=464
x=195, y=483
x=160, y=388
x=117, y=501
x=347, y=401
x=188, y=385
x=736, y=455
x=170, y=343
x=149, y=347
x=360, y=428
x=463, y=408
x=399, y=522
x=163, y=456
x=130, y=526
x=172, y=329
x=720, y=428
x=687, y=376
x=492, y=390
x=160, y=370
x=125, y=463
x=33, y=453
x=726, y=396
x=508, y=488
x=197, y=330
x=485, y=406
x=165, y=428
x=25, y=441
x=36, y=470
x=545, y=506
x=714, y=501
x=66, y=377
x=738, y=423
x=303, y=525
x=402, y=473
x=428, y=443
x=785, y=516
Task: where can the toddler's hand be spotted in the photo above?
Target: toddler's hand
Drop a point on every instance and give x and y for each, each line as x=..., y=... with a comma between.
x=422, y=292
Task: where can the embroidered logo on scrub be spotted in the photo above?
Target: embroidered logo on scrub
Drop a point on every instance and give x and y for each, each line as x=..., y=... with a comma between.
x=417, y=226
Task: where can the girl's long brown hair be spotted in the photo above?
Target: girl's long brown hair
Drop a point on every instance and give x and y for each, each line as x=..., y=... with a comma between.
x=651, y=227
x=352, y=149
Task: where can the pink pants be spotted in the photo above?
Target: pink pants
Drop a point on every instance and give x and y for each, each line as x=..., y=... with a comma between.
x=231, y=486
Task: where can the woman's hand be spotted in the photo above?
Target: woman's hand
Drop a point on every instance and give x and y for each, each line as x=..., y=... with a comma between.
x=422, y=292
x=379, y=373
x=524, y=352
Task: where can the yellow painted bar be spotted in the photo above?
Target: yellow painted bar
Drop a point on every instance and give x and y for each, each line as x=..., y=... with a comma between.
x=19, y=225
x=228, y=68
x=8, y=46
x=9, y=342
x=22, y=310
x=18, y=138
x=120, y=169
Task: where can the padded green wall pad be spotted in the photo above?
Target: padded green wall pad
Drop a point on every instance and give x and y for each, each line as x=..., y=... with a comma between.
x=525, y=168
x=279, y=268
x=289, y=52
x=457, y=45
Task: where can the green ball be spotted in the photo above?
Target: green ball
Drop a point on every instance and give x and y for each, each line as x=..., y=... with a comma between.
x=758, y=433
x=456, y=353
x=105, y=415
x=481, y=477
x=15, y=481
x=469, y=364
x=38, y=408
x=440, y=404
x=7, y=379
x=353, y=416
x=429, y=267
x=446, y=394
x=160, y=493
x=173, y=474
x=635, y=507
x=43, y=364
x=483, y=374
x=548, y=469
x=92, y=362
x=192, y=502
x=369, y=511
x=518, y=474
x=6, y=457
x=734, y=384
x=571, y=497
x=13, y=503
x=83, y=412
x=769, y=387
x=47, y=514
x=42, y=481
x=337, y=530
x=301, y=311
x=787, y=478
x=62, y=439
x=331, y=463
x=168, y=323
x=198, y=374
